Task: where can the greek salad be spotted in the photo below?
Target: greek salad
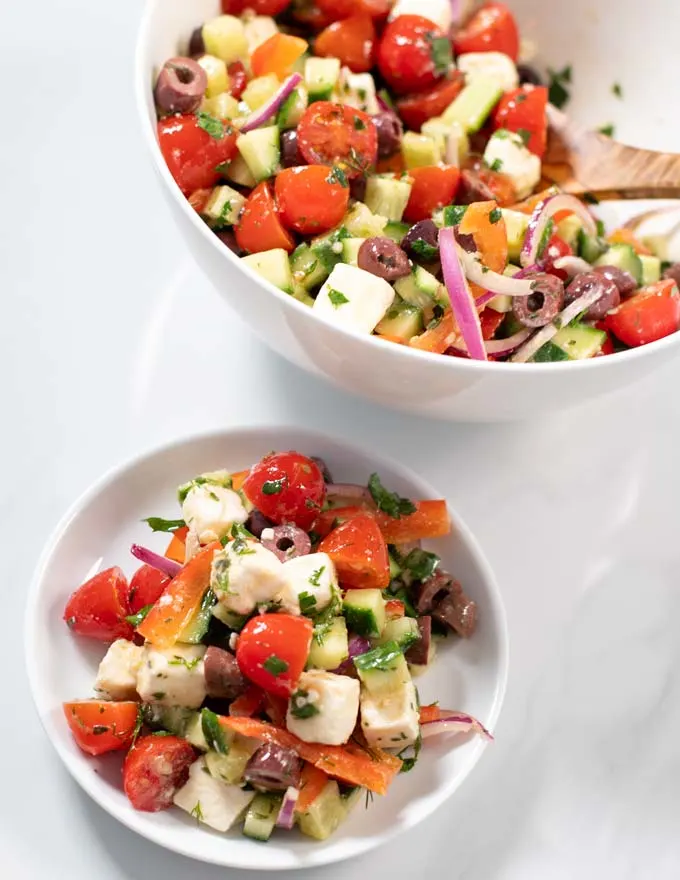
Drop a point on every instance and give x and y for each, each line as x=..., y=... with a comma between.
x=261, y=672
x=380, y=161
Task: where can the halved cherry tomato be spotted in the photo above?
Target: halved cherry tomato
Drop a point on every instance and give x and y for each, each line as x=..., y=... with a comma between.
x=394, y=609
x=337, y=9
x=555, y=250
x=176, y=549
x=154, y=768
x=98, y=608
x=146, y=587
x=335, y=134
x=238, y=79
x=608, y=344
x=327, y=520
x=311, y=198
x=191, y=154
x=430, y=520
x=625, y=236
x=286, y=487
x=490, y=321
x=418, y=108
x=651, y=314
x=272, y=650
x=277, y=55
x=413, y=54
x=351, y=40
x=523, y=110
x=433, y=187
x=259, y=227
x=359, y=552
x=100, y=726
x=199, y=198
x=310, y=15
x=261, y=7
x=491, y=29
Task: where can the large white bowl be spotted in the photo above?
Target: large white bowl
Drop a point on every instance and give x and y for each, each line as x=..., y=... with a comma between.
x=605, y=42
x=97, y=532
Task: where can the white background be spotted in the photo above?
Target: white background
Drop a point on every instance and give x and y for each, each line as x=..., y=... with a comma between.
x=111, y=341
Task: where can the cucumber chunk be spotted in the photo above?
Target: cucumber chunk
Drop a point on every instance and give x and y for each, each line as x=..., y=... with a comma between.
x=590, y=247
x=261, y=816
x=230, y=768
x=176, y=719
x=580, y=341
x=623, y=257
x=194, y=632
x=364, y=611
x=260, y=149
x=388, y=196
x=308, y=270
x=396, y=231
x=404, y=321
x=259, y=90
x=361, y=222
x=328, y=248
x=238, y=172
x=474, y=104
x=651, y=269
x=321, y=75
x=292, y=110
x=223, y=207
x=350, y=250
x=402, y=630
x=516, y=224
x=419, y=150
x=325, y=813
x=389, y=675
x=274, y=266
x=331, y=649
x=421, y=289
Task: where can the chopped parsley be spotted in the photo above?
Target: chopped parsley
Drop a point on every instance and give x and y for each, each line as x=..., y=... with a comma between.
x=421, y=563
x=525, y=135
x=197, y=811
x=495, y=215
x=558, y=94
x=307, y=602
x=440, y=53
x=496, y=165
x=225, y=212
x=158, y=524
x=337, y=175
x=324, y=621
x=177, y=660
x=99, y=729
x=300, y=706
x=359, y=124
x=70, y=622
x=136, y=619
x=213, y=733
x=607, y=129
x=389, y=502
x=336, y=297
x=214, y=127
x=382, y=658
x=453, y=214
x=275, y=665
x=159, y=695
x=273, y=487
x=314, y=578
x=223, y=167
x=617, y=90
x=410, y=762
x=424, y=250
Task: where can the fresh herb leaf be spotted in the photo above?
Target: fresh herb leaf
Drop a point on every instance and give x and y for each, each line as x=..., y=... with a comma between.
x=389, y=502
x=495, y=215
x=275, y=665
x=337, y=175
x=369, y=798
x=410, y=762
x=525, y=134
x=214, y=127
x=558, y=94
x=617, y=90
x=359, y=125
x=324, y=621
x=336, y=297
x=223, y=167
x=213, y=732
x=273, y=487
x=403, y=596
x=177, y=660
x=440, y=53
x=300, y=707
x=453, y=214
x=383, y=658
x=314, y=578
x=590, y=199
x=136, y=619
x=197, y=812
x=158, y=524
x=607, y=129
x=421, y=563
x=425, y=250
x=496, y=165
x=307, y=602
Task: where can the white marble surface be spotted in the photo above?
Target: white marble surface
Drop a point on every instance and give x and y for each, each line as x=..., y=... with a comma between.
x=111, y=341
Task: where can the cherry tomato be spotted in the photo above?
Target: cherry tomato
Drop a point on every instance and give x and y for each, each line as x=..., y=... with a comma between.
x=555, y=250
x=491, y=29
x=310, y=15
x=259, y=227
x=499, y=184
x=100, y=726
x=191, y=154
x=238, y=79
x=98, y=608
x=377, y=9
x=523, y=110
x=418, y=108
x=261, y=7
x=334, y=134
x=311, y=198
x=286, y=487
x=272, y=650
x=351, y=40
x=433, y=187
x=154, y=768
x=490, y=321
x=359, y=552
x=651, y=314
x=146, y=587
x=413, y=54
x=337, y=9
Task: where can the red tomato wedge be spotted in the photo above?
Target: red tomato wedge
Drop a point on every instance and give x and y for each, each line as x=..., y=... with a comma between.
x=146, y=587
x=191, y=153
x=238, y=79
x=413, y=54
x=311, y=198
x=277, y=55
x=272, y=651
x=418, y=108
x=286, y=487
x=312, y=783
x=433, y=187
x=430, y=520
x=350, y=763
x=523, y=110
x=491, y=29
x=648, y=315
x=259, y=227
x=100, y=726
x=351, y=40
x=97, y=609
x=249, y=703
x=359, y=552
x=261, y=7
x=181, y=599
x=335, y=134
x=155, y=767
x=490, y=322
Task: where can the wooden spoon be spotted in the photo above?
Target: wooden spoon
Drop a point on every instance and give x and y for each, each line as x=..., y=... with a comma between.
x=583, y=162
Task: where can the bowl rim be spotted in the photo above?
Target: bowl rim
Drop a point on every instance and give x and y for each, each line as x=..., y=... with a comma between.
x=41, y=698
x=466, y=365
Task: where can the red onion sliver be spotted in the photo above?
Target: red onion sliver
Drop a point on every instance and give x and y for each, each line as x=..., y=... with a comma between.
x=500, y=347
x=572, y=265
x=286, y=817
x=542, y=213
x=454, y=722
x=492, y=281
x=485, y=298
x=357, y=645
x=155, y=560
x=462, y=301
x=270, y=107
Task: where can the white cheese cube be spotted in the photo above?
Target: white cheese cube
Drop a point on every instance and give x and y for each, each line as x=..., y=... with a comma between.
x=173, y=676
x=392, y=721
x=312, y=577
x=211, y=801
x=336, y=701
x=438, y=11
x=245, y=574
x=117, y=674
x=493, y=65
x=506, y=152
x=357, y=90
x=210, y=510
x=354, y=298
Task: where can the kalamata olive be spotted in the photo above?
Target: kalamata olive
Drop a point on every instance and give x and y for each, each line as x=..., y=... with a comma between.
x=273, y=768
x=586, y=282
x=286, y=542
x=180, y=86
x=672, y=272
x=465, y=240
x=257, y=522
x=419, y=240
x=227, y=237
x=323, y=467
x=383, y=257
x=623, y=280
x=472, y=189
x=390, y=131
x=196, y=44
x=528, y=74
x=542, y=304
x=223, y=678
x=357, y=188
x=290, y=154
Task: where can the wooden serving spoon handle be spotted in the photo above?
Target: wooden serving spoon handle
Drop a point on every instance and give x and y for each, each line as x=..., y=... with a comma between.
x=583, y=162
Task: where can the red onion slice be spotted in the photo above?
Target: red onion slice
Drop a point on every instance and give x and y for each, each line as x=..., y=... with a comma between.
x=572, y=265
x=357, y=645
x=493, y=282
x=286, y=817
x=270, y=107
x=542, y=213
x=155, y=560
x=462, y=301
x=454, y=722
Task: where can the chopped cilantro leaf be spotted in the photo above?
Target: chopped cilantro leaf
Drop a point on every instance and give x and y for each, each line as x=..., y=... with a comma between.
x=337, y=297
x=557, y=93
x=337, y=175
x=425, y=250
x=525, y=134
x=617, y=90
x=214, y=127
x=307, y=602
x=496, y=165
x=300, y=707
x=453, y=214
x=272, y=487
x=158, y=524
x=495, y=215
x=213, y=733
x=421, y=563
x=607, y=129
x=359, y=124
x=315, y=576
x=440, y=53
x=389, y=502
x=275, y=665
x=383, y=658
x=136, y=619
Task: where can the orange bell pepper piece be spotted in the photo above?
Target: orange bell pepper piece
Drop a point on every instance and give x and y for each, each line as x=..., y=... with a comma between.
x=277, y=55
x=312, y=783
x=249, y=703
x=625, y=236
x=179, y=601
x=440, y=337
x=528, y=205
x=177, y=547
x=430, y=520
x=238, y=479
x=430, y=713
x=491, y=238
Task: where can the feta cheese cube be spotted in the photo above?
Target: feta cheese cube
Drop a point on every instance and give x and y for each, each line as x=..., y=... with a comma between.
x=357, y=90
x=506, y=152
x=354, y=298
x=245, y=575
x=336, y=701
x=173, y=676
x=311, y=584
x=117, y=674
x=210, y=510
x=438, y=11
x=391, y=721
x=493, y=65
x=211, y=801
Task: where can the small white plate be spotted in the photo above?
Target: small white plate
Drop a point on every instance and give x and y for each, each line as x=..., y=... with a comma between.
x=97, y=532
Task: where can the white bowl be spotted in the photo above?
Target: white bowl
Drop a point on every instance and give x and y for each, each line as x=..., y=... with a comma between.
x=97, y=532
x=413, y=381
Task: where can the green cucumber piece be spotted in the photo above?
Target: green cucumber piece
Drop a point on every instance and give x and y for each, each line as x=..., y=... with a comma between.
x=402, y=630
x=580, y=341
x=651, y=269
x=549, y=353
x=332, y=649
x=396, y=231
x=622, y=256
x=261, y=816
x=388, y=196
x=308, y=270
x=350, y=250
x=328, y=248
x=292, y=110
x=472, y=106
x=321, y=75
x=420, y=150
x=516, y=224
x=421, y=289
x=229, y=618
x=274, y=266
x=404, y=321
x=569, y=230
x=395, y=568
x=590, y=247
x=260, y=149
x=325, y=813
x=364, y=612
x=176, y=719
x=389, y=675
x=361, y=222
x=230, y=768
x=223, y=207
